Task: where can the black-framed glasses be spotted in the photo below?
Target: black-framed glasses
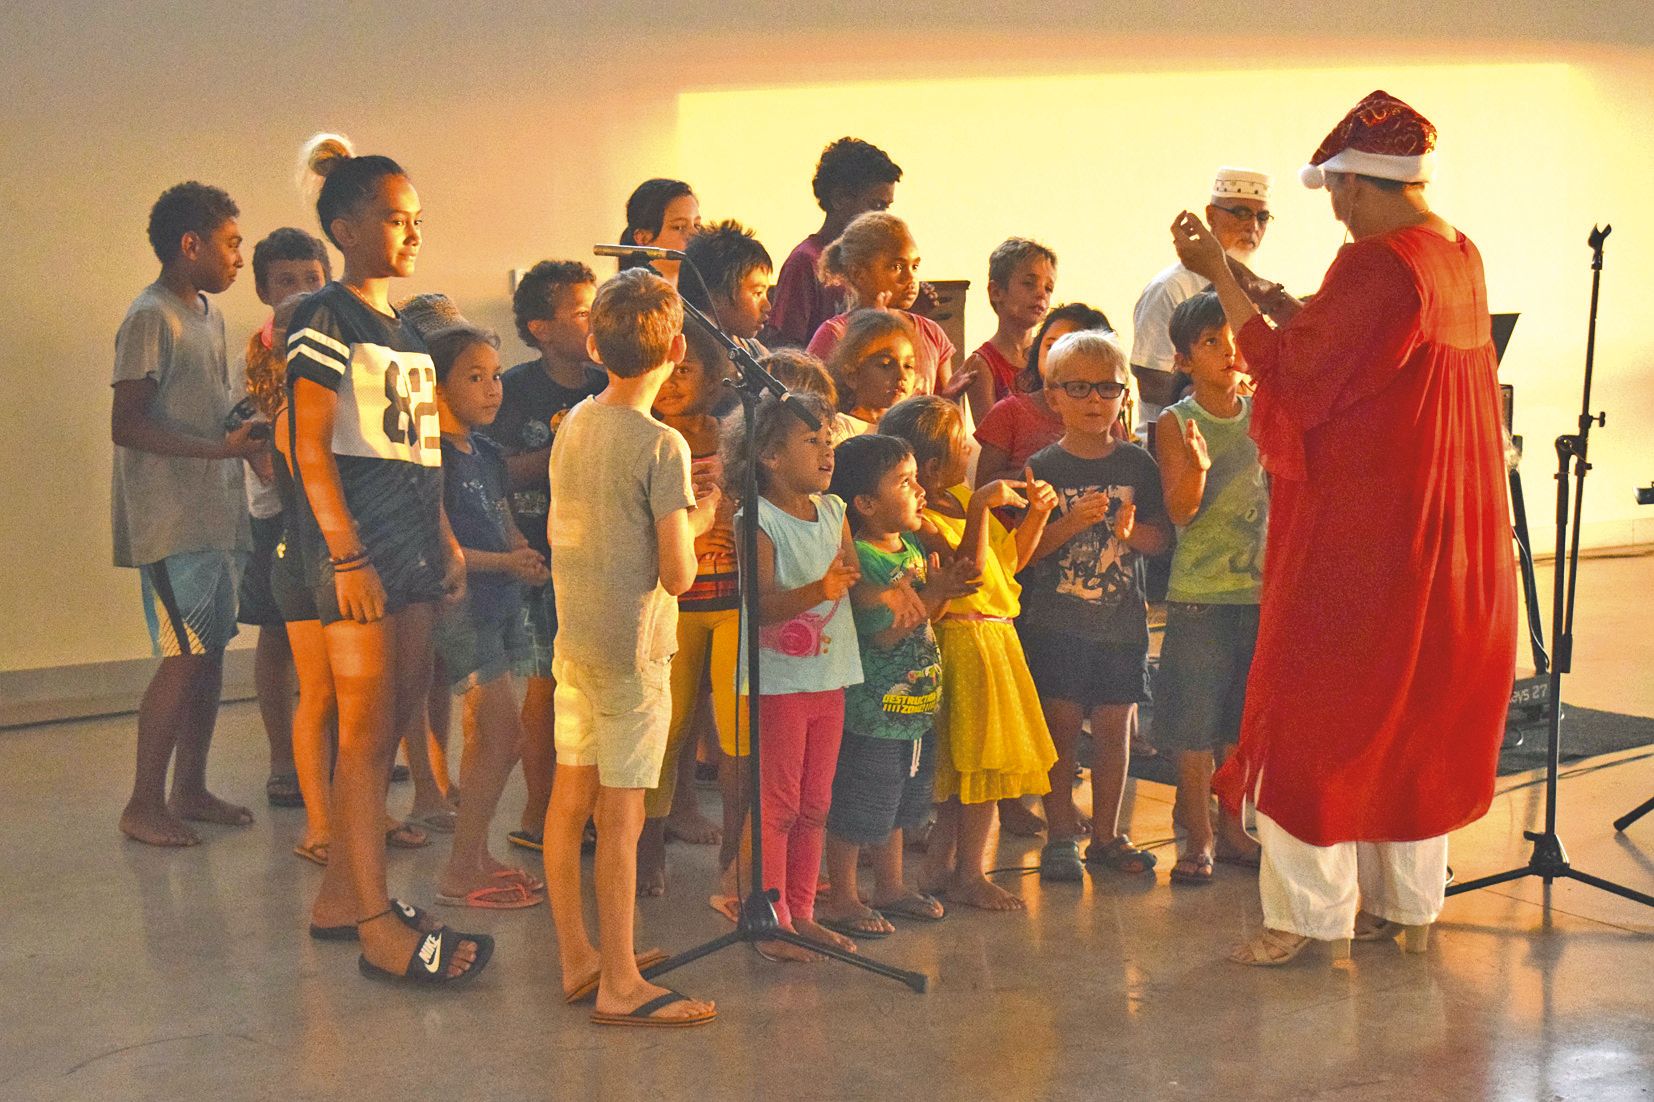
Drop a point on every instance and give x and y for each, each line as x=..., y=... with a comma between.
x=1247, y=214
x=1079, y=390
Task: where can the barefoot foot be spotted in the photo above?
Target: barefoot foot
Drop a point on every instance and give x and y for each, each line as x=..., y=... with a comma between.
x=204, y=807
x=156, y=827
x=983, y=894
x=815, y=931
x=1016, y=818
x=694, y=828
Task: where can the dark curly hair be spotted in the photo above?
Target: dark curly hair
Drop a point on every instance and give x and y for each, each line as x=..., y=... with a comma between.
x=851, y=164
x=1077, y=314
x=288, y=243
x=190, y=207
x=535, y=298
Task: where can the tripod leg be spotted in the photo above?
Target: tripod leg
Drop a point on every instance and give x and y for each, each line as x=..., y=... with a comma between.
x=1624, y=821
x=690, y=956
x=918, y=981
x=1609, y=886
x=1489, y=881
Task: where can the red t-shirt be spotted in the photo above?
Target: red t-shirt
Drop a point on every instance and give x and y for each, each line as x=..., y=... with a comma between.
x=800, y=303
x=1020, y=426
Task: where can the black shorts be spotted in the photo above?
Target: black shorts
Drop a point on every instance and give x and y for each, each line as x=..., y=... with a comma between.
x=288, y=588
x=255, y=603
x=1200, y=692
x=881, y=784
x=1083, y=671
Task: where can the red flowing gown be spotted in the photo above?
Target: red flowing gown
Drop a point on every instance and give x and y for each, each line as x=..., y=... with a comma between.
x=1387, y=637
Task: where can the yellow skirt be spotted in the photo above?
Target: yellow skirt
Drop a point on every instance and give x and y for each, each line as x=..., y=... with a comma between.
x=992, y=740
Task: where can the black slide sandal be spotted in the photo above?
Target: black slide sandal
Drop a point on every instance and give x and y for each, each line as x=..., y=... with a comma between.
x=429, y=963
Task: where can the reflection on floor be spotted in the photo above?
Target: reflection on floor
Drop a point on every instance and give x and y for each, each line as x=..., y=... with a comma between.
x=132, y=973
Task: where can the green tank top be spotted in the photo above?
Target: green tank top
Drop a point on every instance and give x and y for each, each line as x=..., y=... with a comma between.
x=1219, y=556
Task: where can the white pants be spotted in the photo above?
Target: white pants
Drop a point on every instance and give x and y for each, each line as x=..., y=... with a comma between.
x=1314, y=891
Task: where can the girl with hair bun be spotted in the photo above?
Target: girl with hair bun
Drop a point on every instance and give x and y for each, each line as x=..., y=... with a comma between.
x=374, y=544
x=662, y=213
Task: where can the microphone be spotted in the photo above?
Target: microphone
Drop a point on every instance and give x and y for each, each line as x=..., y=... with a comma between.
x=645, y=252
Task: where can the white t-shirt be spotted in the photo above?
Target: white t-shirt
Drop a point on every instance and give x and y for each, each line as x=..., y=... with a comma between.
x=1151, y=339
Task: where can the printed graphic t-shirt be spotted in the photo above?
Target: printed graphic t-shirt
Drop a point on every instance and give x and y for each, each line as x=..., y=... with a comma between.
x=530, y=414
x=902, y=685
x=1092, y=586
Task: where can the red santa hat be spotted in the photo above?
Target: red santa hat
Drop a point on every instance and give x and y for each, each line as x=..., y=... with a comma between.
x=1382, y=137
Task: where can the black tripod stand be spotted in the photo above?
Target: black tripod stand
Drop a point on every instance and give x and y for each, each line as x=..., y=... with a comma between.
x=1549, y=861
x=758, y=921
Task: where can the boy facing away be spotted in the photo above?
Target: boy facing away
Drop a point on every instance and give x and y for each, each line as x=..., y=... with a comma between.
x=622, y=524
x=179, y=515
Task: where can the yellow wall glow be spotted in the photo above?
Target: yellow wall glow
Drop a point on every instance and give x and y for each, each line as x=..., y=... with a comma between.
x=1097, y=165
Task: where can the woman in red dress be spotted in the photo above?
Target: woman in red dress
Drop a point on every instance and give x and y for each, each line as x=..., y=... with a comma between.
x=1387, y=643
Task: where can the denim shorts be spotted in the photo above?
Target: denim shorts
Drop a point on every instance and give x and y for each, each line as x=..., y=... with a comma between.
x=881, y=784
x=1200, y=692
x=477, y=649
x=1083, y=671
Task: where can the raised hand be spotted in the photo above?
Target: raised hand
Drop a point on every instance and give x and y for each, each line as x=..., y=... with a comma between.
x=842, y=573
x=1198, y=247
x=907, y=610
x=958, y=578
x=1125, y=522
x=1041, y=497
x=1001, y=492
x=959, y=382
x=1089, y=508
x=1194, y=446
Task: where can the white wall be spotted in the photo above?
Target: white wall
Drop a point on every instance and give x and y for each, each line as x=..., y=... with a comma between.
x=1085, y=126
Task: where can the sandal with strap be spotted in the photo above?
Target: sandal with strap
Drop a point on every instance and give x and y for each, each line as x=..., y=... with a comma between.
x=1059, y=862
x=1193, y=869
x=508, y=895
x=645, y=1015
x=1273, y=948
x=430, y=960
x=1369, y=927
x=1121, y=856
x=412, y=917
x=282, y=790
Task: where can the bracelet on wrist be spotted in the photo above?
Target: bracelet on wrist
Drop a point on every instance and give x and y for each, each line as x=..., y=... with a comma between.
x=352, y=566
x=360, y=555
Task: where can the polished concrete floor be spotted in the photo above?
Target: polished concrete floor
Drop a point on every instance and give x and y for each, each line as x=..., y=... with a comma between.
x=134, y=973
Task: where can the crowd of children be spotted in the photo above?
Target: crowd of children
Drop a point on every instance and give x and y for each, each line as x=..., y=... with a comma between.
x=555, y=545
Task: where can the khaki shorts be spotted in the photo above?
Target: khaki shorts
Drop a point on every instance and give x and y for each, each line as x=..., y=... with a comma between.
x=614, y=718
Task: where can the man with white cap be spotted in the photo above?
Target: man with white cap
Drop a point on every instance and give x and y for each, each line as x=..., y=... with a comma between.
x=1239, y=215
x=1387, y=635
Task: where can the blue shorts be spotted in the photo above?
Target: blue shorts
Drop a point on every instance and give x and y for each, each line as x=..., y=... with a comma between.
x=881, y=784
x=1200, y=692
x=539, y=632
x=190, y=601
x=477, y=649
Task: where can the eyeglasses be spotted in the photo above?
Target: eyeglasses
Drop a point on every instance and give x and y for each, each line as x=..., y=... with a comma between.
x=1079, y=390
x=1247, y=214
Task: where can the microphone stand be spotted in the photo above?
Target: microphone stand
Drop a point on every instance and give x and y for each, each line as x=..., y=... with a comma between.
x=1548, y=860
x=758, y=921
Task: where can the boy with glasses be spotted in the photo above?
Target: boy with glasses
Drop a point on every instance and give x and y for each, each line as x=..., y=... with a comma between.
x=1239, y=215
x=1084, y=621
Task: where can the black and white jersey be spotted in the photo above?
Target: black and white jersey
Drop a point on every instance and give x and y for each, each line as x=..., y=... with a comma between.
x=386, y=440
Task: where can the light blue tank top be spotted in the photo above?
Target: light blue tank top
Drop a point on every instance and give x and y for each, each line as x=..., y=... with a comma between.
x=817, y=650
x=1219, y=555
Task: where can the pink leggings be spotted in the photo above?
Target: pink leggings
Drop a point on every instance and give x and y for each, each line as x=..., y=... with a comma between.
x=798, y=753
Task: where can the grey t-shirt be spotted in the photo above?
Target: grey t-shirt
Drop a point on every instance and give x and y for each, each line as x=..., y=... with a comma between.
x=614, y=472
x=163, y=504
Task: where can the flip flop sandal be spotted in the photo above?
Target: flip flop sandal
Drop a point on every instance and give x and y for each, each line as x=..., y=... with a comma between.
x=406, y=836
x=527, y=840
x=511, y=896
x=645, y=1014
x=1121, y=856
x=587, y=987
x=412, y=917
x=429, y=963
x=282, y=790
x=727, y=905
x=315, y=853
x=521, y=876
x=848, y=927
x=918, y=905
x=1059, y=862
x=1241, y=860
x=1192, y=869
x=440, y=821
